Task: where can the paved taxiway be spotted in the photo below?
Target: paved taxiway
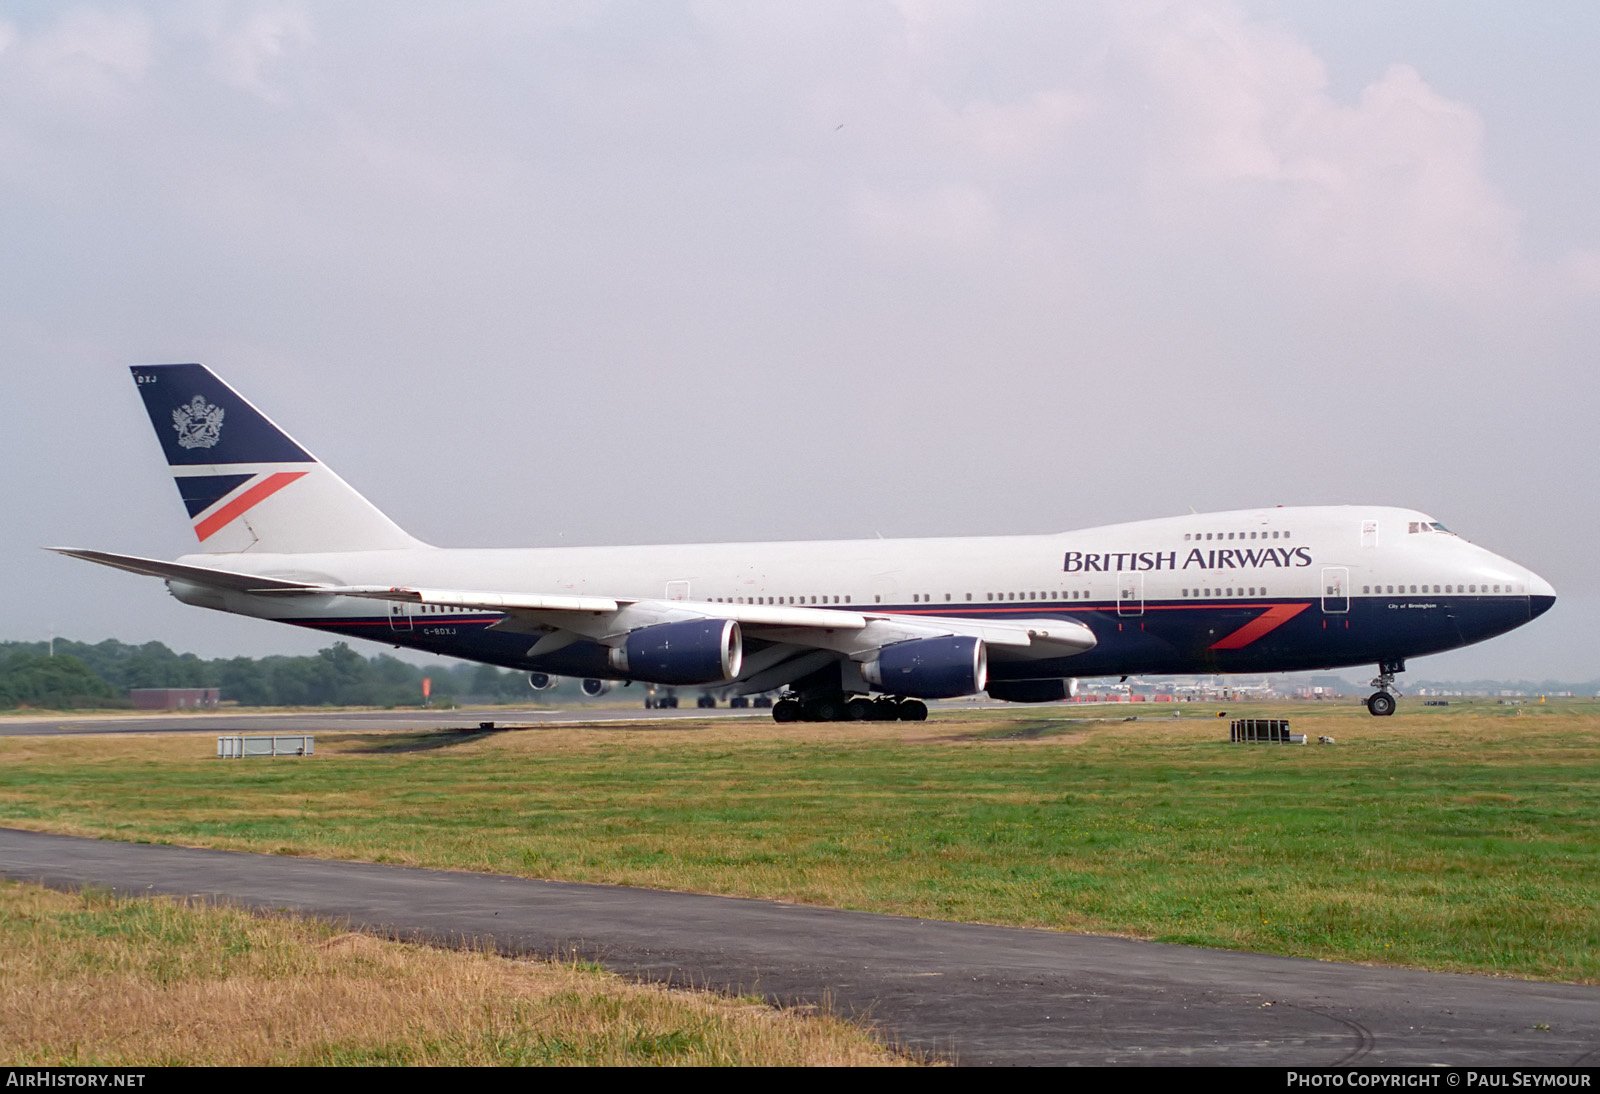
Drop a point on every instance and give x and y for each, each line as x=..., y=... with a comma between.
x=347, y=721
x=983, y=995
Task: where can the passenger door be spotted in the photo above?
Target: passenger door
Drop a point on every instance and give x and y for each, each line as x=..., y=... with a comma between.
x=1335, y=589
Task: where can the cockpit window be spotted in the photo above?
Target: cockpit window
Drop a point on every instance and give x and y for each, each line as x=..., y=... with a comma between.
x=1437, y=527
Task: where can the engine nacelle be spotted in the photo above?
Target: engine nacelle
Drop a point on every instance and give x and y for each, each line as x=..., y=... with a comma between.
x=1030, y=691
x=930, y=668
x=595, y=688
x=696, y=651
x=542, y=681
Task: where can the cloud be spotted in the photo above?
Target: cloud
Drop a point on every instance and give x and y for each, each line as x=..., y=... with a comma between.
x=953, y=218
x=86, y=58
x=939, y=128
x=1188, y=127
x=1389, y=188
x=249, y=52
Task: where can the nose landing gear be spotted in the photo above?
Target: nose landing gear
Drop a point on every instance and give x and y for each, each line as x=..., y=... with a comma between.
x=1381, y=703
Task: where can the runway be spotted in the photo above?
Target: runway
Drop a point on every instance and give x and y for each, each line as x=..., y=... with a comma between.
x=971, y=993
x=345, y=721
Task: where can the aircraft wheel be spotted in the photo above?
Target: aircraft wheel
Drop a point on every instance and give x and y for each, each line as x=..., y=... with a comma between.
x=858, y=710
x=913, y=710
x=1380, y=704
x=786, y=710
x=825, y=710
x=885, y=710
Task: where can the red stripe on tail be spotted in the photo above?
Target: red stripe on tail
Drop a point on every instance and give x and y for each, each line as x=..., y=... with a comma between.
x=245, y=502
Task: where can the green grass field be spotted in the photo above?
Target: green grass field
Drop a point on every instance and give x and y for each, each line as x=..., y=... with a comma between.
x=1465, y=837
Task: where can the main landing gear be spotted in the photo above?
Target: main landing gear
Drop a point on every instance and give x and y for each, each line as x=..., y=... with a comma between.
x=835, y=707
x=1381, y=703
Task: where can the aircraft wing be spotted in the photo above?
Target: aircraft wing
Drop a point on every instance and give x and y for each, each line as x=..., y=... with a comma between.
x=797, y=639
x=850, y=632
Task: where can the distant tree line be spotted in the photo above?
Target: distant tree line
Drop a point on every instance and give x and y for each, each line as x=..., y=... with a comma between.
x=81, y=675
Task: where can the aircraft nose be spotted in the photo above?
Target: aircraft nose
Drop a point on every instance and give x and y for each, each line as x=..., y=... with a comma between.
x=1541, y=596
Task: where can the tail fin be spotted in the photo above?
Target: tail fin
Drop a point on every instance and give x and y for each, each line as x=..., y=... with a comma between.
x=246, y=483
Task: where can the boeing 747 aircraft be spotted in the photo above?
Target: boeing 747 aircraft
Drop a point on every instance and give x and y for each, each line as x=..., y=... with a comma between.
x=851, y=629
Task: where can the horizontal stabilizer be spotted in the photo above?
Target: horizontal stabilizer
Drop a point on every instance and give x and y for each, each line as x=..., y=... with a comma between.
x=200, y=575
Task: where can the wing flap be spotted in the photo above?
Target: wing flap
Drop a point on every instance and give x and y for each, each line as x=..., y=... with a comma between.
x=495, y=602
x=1022, y=639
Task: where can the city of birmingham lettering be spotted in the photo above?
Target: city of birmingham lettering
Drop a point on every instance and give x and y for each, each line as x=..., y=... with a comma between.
x=1224, y=558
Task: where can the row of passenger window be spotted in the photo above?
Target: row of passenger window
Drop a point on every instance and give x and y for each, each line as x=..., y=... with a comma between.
x=1370, y=590
x=916, y=598
x=1400, y=590
x=778, y=600
x=1073, y=594
x=1031, y=595
x=1230, y=535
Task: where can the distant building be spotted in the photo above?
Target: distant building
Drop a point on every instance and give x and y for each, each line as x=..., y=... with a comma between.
x=174, y=698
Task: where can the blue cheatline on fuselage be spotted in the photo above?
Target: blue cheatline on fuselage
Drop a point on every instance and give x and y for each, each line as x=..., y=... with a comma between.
x=1167, y=637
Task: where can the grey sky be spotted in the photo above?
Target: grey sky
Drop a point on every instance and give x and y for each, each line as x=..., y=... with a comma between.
x=615, y=272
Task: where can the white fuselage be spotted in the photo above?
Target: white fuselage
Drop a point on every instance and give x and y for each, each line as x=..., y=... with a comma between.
x=1273, y=553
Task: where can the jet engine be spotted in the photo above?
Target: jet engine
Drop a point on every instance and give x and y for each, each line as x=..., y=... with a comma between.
x=696, y=651
x=542, y=681
x=930, y=668
x=595, y=688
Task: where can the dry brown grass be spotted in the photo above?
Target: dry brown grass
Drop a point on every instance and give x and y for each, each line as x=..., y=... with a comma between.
x=90, y=980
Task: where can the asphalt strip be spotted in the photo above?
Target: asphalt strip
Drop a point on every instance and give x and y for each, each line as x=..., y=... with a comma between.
x=971, y=993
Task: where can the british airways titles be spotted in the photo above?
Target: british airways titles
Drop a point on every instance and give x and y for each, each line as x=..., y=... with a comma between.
x=1226, y=558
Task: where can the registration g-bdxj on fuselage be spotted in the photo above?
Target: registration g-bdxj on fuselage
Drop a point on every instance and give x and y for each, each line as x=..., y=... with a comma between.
x=851, y=629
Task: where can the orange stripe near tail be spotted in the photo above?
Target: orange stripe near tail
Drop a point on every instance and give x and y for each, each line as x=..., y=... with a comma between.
x=245, y=502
